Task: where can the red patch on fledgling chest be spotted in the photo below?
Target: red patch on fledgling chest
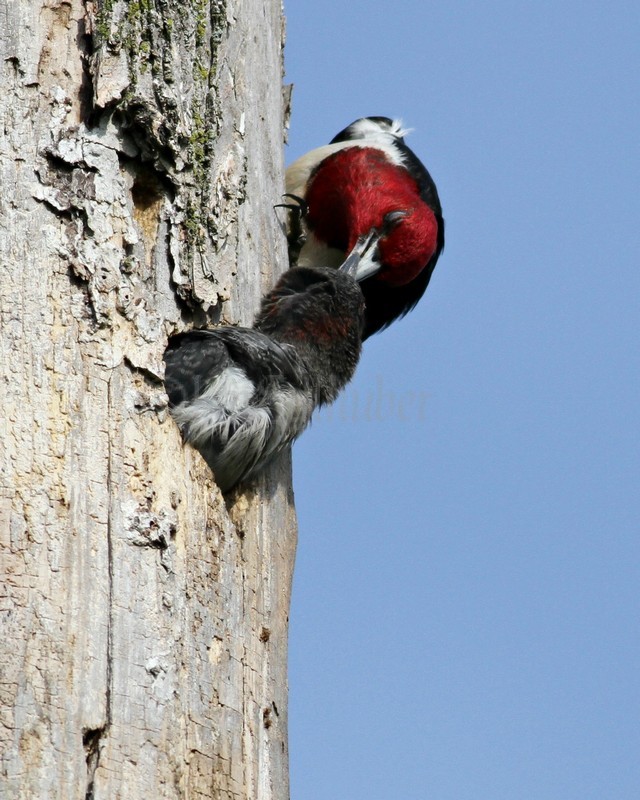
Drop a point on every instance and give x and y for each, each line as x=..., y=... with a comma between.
x=322, y=332
x=351, y=192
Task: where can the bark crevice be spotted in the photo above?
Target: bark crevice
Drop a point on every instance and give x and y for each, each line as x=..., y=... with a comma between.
x=91, y=741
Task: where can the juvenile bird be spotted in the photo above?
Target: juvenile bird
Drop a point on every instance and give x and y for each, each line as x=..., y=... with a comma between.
x=346, y=188
x=241, y=395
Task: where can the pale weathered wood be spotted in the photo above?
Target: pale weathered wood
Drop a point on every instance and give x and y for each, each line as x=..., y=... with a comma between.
x=144, y=623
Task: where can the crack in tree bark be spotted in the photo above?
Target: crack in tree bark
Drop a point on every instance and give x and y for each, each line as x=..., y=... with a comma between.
x=91, y=743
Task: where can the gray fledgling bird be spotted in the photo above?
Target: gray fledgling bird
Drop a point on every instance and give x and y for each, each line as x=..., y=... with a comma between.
x=242, y=395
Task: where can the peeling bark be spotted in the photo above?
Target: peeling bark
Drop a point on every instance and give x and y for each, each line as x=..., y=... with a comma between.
x=144, y=619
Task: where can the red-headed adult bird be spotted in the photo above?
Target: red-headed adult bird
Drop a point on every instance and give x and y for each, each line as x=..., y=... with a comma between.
x=346, y=188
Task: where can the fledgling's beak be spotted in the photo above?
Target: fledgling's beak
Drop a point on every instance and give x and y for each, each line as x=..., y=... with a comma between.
x=363, y=261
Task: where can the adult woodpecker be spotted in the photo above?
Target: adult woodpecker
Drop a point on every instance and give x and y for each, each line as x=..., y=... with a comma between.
x=346, y=187
x=241, y=395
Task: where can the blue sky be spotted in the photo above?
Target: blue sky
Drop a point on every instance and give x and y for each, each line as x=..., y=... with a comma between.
x=465, y=619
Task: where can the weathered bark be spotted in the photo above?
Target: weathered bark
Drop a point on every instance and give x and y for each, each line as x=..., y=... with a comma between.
x=144, y=631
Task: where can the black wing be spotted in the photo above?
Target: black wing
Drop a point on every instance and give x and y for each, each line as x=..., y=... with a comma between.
x=196, y=358
x=385, y=304
x=192, y=361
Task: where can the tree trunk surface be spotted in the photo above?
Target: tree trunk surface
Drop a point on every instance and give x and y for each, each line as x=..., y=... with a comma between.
x=144, y=619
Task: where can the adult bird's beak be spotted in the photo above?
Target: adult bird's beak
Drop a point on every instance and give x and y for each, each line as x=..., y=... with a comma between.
x=362, y=261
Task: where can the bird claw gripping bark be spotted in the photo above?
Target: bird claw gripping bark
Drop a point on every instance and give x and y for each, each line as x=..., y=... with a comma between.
x=295, y=231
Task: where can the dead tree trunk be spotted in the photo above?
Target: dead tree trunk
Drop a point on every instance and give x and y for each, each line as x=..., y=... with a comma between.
x=144, y=632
